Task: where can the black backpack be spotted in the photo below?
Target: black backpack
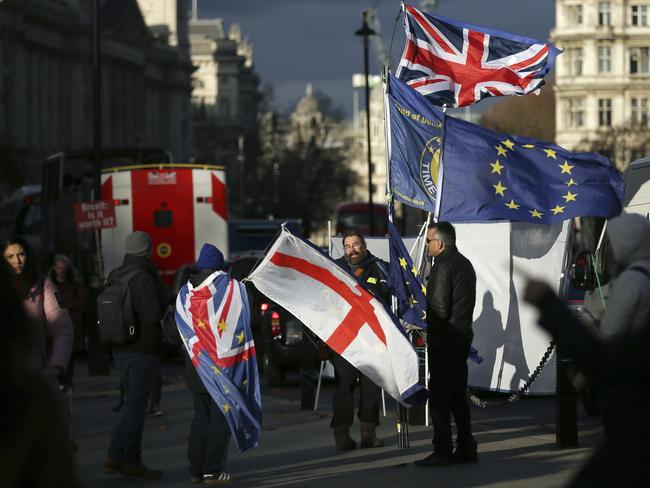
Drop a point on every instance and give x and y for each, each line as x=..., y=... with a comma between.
x=116, y=320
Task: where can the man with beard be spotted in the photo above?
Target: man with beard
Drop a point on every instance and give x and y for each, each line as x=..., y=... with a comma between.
x=370, y=271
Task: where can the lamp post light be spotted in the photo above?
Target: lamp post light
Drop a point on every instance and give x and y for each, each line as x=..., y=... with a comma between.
x=365, y=32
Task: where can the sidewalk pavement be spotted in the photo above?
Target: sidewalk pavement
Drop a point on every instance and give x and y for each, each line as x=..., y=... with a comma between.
x=516, y=443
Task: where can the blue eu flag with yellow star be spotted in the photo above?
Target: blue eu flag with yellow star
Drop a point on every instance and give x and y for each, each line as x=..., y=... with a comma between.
x=491, y=176
x=404, y=282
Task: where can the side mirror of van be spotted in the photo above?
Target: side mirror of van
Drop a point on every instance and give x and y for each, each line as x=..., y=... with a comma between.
x=582, y=272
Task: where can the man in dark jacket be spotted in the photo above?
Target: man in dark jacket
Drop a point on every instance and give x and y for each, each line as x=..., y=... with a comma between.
x=137, y=361
x=370, y=271
x=451, y=295
x=209, y=432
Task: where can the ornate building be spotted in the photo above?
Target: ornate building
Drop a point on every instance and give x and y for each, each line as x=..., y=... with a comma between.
x=46, y=83
x=602, y=84
x=225, y=97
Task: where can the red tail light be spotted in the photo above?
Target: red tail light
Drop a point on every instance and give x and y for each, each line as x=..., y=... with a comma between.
x=275, y=324
x=419, y=342
x=264, y=307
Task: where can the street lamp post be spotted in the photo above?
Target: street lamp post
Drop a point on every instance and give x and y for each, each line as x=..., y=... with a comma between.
x=366, y=32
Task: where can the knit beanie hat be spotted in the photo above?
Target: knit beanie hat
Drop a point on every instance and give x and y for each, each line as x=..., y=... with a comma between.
x=138, y=243
x=210, y=258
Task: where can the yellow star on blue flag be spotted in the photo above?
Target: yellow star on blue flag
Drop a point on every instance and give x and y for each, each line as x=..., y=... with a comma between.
x=404, y=282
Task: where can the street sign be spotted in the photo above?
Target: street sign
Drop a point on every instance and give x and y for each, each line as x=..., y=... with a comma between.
x=94, y=215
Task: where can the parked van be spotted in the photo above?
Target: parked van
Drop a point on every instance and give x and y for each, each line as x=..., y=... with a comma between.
x=592, y=272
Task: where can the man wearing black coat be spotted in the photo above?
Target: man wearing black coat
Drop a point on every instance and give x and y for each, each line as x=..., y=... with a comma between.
x=370, y=271
x=137, y=362
x=451, y=296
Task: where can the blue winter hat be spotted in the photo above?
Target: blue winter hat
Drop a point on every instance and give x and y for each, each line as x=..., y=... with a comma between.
x=210, y=258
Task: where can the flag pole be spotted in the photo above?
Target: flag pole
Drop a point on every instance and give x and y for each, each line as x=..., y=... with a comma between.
x=441, y=169
x=401, y=422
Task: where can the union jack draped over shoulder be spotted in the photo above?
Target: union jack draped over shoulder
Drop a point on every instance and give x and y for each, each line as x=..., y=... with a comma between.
x=455, y=63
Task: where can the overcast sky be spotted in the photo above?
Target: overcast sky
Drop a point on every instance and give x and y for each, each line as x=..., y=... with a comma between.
x=298, y=41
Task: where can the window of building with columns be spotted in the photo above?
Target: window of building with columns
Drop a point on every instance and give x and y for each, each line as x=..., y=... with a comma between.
x=639, y=15
x=604, y=13
x=604, y=59
x=604, y=112
x=575, y=112
x=639, y=60
x=639, y=111
x=574, y=60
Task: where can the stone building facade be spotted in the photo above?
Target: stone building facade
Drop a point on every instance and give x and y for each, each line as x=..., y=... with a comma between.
x=603, y=77
x=46, y=83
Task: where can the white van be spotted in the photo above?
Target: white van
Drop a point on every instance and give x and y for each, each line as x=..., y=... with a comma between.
x=593, y=272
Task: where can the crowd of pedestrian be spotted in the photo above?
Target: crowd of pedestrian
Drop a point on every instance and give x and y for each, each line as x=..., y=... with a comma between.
x=43, y=324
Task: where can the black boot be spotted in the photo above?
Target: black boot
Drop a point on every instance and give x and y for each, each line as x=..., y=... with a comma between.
x=342, y=438
x=368, y=436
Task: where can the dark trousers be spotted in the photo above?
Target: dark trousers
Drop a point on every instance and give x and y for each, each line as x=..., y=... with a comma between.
x=156, y=389
x=346, y=381
x=448, y=395
x=136, y=376
x=209, y=437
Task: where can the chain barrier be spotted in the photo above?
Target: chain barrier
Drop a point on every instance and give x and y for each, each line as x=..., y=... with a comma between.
x=515, y=397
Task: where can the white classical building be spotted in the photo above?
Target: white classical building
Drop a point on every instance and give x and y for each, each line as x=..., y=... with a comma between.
x=603, y=77
x=225, y=90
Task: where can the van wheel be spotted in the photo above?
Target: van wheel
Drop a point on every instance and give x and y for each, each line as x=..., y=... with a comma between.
x=274, y=375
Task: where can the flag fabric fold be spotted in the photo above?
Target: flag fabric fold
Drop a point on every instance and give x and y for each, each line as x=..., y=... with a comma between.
x=404, y=282
x=491, y=176
x=459, y=64
x=214, y=323
x=349, y=319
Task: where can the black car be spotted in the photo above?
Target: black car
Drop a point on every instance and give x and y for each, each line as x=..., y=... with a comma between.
x=278, y=334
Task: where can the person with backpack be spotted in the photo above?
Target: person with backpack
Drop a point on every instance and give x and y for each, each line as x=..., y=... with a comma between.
x=129, y=312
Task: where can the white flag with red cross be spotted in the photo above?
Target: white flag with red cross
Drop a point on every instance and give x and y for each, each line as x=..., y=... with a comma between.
x=340, y=312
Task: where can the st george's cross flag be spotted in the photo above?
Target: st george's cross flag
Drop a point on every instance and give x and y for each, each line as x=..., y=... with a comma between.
x=349, y=319
x=214, y=323
x=457, y=63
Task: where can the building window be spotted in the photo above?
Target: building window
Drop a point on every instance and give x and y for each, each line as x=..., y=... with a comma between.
x=604, y=13
x=604, y=59
x=575, y=112
x=640, y=112
x=574, y=14
x=605, y=112
x=639, y=60
x=574, y=59
x=640, y=15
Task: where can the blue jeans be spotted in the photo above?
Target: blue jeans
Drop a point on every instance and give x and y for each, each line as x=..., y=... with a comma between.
x=209, y=437
x=136, y=377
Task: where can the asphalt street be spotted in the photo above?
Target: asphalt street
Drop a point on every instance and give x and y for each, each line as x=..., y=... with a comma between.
x=516, y=443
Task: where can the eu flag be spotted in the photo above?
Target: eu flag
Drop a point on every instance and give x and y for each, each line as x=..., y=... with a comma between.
x=214, y=322
x=493, y=176
x=404, y=282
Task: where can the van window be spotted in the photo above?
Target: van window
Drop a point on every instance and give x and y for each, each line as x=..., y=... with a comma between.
x=162, y=218
x=29, y=220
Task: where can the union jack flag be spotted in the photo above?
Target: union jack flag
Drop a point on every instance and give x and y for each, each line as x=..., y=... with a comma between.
x=214, y=322
x=459, y=64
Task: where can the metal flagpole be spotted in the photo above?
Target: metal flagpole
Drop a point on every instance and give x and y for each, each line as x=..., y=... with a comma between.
x=401, y=420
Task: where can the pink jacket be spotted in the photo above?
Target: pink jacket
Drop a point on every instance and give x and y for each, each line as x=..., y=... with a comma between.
x=46, y=311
